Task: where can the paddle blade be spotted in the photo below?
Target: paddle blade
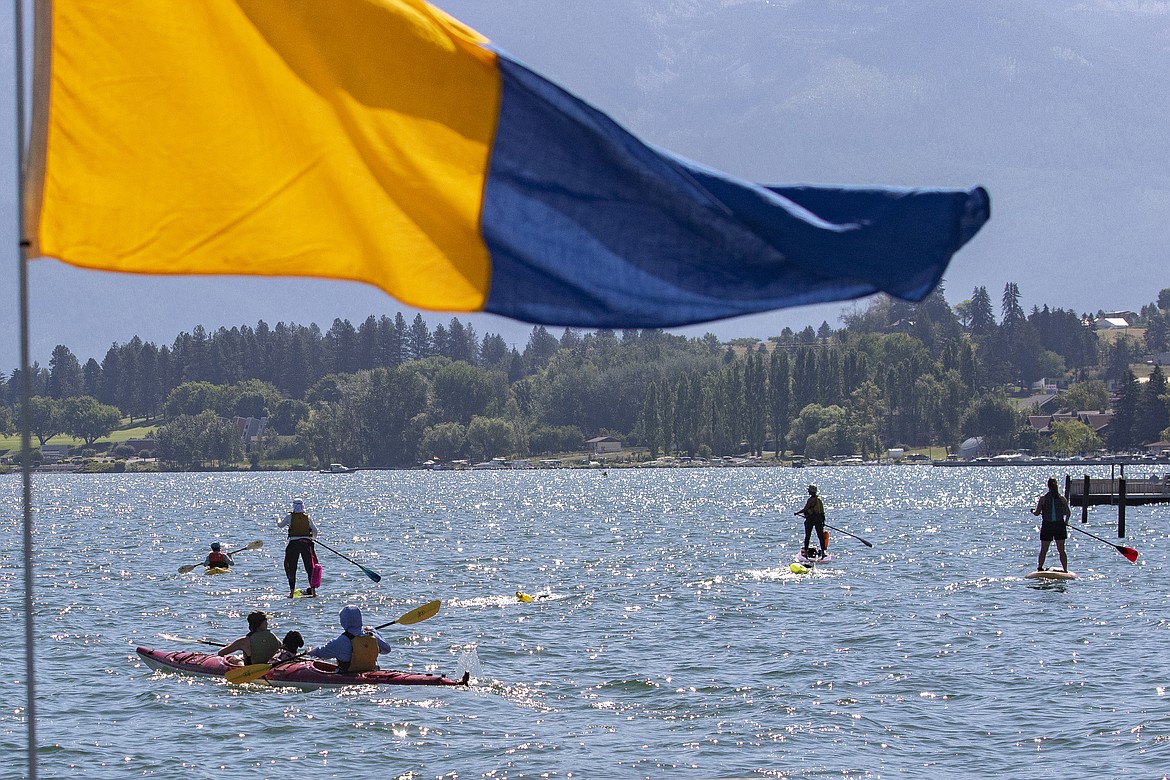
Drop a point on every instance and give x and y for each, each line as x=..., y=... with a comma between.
x=256, y=545
x=1130, y=554
x=418, y=614
x=373, y=575
x=245, y=674
x=863, y=541
x=189, y=567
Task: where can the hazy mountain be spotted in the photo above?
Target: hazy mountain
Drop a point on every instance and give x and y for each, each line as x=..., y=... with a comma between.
x=1058, y=107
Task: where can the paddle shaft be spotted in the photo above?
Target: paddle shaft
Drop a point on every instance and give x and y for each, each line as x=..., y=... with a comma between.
x=855, y=536
x=193, y=641
x=1130, y=553
x=373, y=575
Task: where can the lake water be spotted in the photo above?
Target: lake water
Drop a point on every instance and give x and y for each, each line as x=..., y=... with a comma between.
x=675, y=642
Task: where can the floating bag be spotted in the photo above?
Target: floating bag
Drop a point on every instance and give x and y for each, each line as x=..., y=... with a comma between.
x=315, y=572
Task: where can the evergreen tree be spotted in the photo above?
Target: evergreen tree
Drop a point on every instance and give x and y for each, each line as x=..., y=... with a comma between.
x=982, y=315
x=779, y=397
x=65, y=375
x=418, y=339
x=1122, y=430
x=1152, y=416
x=1013, y=313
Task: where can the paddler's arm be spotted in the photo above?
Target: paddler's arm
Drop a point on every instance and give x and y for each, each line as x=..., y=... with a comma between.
x=330, y=649
x=238, y=646
x=383, y=645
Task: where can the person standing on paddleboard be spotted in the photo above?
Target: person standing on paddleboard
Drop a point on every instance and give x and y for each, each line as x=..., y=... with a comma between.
x=301, y=533
x=1053, y=510
x=814, y=518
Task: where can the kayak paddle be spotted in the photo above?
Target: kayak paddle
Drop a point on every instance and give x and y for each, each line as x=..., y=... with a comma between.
x=252, y=672
x=416, y=615
x=174, y=638
x=858, y=538
x=1130, y=554
x=256, y=545
x=373, y=575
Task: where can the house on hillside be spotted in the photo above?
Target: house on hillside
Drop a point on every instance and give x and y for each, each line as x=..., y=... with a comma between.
x=1111, y=323
x=54, y=453
x=250, y=428
x=143, y=445
x=600, y=445
x=1098, y=421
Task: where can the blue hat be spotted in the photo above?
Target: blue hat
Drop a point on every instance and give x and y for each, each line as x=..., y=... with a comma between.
x=215, y=545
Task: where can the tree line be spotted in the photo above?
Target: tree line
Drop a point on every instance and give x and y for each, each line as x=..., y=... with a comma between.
x=389, y=393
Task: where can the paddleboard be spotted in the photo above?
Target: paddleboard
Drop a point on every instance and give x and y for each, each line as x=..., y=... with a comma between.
x=1050, y=574
x=801, y=559
x=300, y=594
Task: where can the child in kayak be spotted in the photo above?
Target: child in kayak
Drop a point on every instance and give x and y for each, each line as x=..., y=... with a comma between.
x=217, y=558
x=289, y=647
x=357, y=648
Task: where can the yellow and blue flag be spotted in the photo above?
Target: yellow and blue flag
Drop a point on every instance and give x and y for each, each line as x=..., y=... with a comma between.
x=383, y=141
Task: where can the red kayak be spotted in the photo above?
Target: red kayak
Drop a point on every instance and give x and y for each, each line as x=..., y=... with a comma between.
x=306, y=675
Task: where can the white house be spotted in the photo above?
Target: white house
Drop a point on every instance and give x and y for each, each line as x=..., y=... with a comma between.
x=603, y=444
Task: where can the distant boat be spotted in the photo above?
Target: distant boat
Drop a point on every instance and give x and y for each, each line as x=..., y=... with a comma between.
x=338, y=468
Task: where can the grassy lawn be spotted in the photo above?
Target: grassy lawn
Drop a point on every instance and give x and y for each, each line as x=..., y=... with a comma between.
x=10, y=445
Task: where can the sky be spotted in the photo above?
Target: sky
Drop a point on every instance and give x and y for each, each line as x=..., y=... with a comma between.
x=1057, y=107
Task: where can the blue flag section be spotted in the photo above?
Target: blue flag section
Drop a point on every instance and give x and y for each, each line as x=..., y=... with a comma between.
x=382, y=141
x=588, y=226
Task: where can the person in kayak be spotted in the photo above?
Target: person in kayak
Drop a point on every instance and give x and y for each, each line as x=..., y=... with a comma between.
x=814, y=518
x=258, y=645
x=357, y=648
x=217, y=558
x=1053, y=510
x=301, y=533
x=290, y=646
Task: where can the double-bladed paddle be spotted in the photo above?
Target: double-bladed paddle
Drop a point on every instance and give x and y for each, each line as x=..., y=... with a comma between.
x=256, y=545
x=858, y=538
x=252, y=672
x=1130, y=554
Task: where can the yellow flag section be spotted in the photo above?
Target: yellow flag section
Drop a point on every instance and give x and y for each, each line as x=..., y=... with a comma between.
x=247, y=137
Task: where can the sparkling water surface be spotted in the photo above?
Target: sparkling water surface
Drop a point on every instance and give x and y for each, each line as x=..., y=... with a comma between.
x=672, y=641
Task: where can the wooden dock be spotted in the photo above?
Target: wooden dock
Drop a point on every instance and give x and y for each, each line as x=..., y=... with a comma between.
x=1120, y=492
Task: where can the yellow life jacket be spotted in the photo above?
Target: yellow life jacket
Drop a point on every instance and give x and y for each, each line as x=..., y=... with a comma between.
x=365, y=654
x=299, y=525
